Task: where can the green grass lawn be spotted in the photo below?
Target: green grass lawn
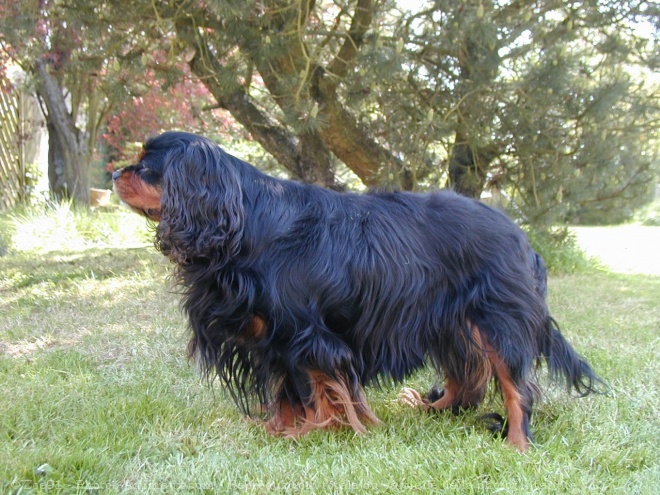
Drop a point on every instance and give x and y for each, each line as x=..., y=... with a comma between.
x=97, y=397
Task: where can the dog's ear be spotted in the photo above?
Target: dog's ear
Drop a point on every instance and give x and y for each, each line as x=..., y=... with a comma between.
x=201, y=204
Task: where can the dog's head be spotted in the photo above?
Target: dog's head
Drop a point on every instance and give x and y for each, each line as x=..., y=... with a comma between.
x=190, y=187
x=140, y=186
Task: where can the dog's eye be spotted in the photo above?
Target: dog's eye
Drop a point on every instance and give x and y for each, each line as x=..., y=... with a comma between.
x=148, y=175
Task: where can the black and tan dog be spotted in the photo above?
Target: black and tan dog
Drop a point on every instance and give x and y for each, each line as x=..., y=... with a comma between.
x=299, y=296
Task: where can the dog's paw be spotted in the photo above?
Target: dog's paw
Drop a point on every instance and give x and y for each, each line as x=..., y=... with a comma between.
x=495, y=423
x=411, y=397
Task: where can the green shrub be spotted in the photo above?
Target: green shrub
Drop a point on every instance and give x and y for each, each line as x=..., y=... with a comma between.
x=559, y=250
x=650, y=214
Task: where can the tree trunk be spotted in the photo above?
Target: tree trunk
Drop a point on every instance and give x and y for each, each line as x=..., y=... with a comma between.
x=468, y=167
x=351, y=143
x=467, y=170
x=315, y=161
x=340, y=133
x=56, y=178
x=68, y=154
x=307, y=155
x=479, y=63
x=300, y=155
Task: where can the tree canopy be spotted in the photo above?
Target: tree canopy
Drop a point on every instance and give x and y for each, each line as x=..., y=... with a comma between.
x=549, y=103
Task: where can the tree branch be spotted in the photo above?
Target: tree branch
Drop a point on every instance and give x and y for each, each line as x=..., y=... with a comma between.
x=339, y=131
x=274, y=138
x=364, y=12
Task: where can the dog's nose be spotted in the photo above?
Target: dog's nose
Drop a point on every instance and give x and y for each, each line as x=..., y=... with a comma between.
x=116, y=174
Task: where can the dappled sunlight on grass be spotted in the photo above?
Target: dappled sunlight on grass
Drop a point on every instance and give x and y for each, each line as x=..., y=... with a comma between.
x=62, y=226
x=62, y=299
x=97, y=386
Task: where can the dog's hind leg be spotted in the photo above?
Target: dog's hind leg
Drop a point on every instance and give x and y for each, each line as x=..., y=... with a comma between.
x=465, y=387
x=465, y=382
x=518, y=397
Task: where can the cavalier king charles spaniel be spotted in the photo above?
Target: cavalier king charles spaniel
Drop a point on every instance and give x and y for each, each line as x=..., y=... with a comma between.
x=299, y=296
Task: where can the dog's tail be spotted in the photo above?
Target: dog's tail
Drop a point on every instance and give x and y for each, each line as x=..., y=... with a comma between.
x=564, y=364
